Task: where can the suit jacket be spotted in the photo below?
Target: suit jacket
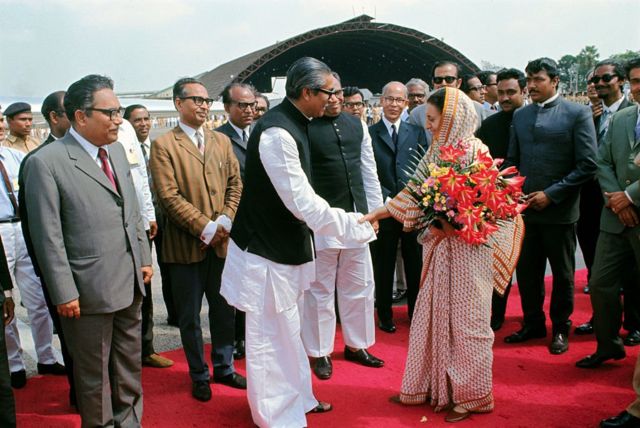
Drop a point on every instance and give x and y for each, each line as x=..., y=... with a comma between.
x=89, y=240
x=193, y=190
x=554, y=147
x=619, y=164
x=596, y=120
x=239, y=146
x=5, y=277
x=392, y=167
x=418, y=116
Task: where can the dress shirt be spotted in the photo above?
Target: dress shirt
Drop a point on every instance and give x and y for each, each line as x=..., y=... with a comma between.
x=210, y=229
x=252, y=273
x=404, y=117
x=371, y=188
x=239, y=131
x=90, y=148
x=388, y=125
x=11, y=160
x=553, y=98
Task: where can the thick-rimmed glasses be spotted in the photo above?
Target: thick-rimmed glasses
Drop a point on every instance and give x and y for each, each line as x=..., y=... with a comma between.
x=416, y=96
x=330, y=92
x=198, y=100
x=112, y=113
x=356, y=104
x=245, y=106
x=606, y=78
x=392, y=100
x=448, y=79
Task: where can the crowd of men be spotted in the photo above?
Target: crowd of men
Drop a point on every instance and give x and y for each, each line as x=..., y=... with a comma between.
x=80, y=214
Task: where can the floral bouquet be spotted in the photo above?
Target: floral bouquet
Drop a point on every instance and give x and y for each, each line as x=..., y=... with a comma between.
x=471, y=196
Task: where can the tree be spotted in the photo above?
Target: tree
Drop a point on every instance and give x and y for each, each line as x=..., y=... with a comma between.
x=586, y=59
x=626, y=56
x=567, y=66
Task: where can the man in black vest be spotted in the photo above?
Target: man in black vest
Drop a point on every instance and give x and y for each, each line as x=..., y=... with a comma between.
x=7, y=403
x=270, y=257
x=494, y=132
x=343, y=172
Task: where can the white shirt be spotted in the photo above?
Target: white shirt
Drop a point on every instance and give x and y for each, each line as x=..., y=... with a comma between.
x=239, y=131
x=388, y=124
x=191, y=132
x=90, y=148
x=553, y=98
x=372, y=191
x=246, y=275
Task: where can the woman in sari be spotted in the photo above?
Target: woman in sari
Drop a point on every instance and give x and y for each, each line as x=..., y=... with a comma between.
x=449, y=362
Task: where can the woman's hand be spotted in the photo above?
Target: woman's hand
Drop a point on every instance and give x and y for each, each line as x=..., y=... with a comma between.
x=375, y=215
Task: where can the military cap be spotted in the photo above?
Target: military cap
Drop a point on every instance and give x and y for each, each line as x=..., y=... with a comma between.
x=16, y=108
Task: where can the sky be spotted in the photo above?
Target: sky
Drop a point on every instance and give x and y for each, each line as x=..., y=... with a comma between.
x=146, y=45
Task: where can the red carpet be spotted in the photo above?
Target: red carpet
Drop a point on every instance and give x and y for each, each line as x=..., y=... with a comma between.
x=532, y=388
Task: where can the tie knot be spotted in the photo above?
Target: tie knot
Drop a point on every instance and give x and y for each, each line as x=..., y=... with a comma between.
x=393, y=126
x=102, y=153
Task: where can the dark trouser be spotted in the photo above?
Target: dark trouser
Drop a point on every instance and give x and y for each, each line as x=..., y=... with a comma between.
x=556, y=243
x=240, y=316
x=588, y=226
x=499, y=303
x=615, y=253
x=7, y=404
x=147, y=318
x=384, y=251
x=167, y=290
x=66, y=355
x=190, y=283
x=107, y=367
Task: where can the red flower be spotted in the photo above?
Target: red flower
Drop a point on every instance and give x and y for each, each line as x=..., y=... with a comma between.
x=484, y=159
x=450, y=154
x=452, y=183
x=485, y=179
x=468, y=214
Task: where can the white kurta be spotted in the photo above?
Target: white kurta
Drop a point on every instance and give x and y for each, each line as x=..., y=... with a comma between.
x=278, y=372
x=347, y=270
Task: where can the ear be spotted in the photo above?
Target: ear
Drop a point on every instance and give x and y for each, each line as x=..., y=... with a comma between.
x=556, y=81
x=80, y=117
x=227, y=107
x=459, y=83
x=306, y=93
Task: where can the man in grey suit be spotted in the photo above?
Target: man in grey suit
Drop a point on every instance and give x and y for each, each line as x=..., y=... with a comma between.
x=618, y=246
x=91, y=246
x=553, y=144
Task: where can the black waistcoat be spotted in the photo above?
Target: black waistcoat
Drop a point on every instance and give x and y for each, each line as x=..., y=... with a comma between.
x=263, y=225
x=336, y=147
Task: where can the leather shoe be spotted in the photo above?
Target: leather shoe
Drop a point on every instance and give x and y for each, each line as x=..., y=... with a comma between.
x=594, y=360
x=586, y=328
x=387, y=326
x=201, y=391
x=632, y=339
x=53, y=369
x=238, y=350
x=623, y=420
x=456, y=416
x=398, y=295
x=496, y=324
x=559, y=344
x=323, y=368
x=322, y=407
x=18, y=379
x=234, y=380
x=157, y=361
x=526, y=333
x=362, y=356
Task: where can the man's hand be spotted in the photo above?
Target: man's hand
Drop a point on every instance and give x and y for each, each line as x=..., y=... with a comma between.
x=375, y=215
x=538, y=200
x=153, y=229
x=617, y=201
x=70, y=309
x=596, y=110
x=147, y=273
x=376, y=226
x=8, y=310
x=628, y=217
x=221, y=234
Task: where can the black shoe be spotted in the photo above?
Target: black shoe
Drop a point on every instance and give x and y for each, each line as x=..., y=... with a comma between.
x=398, y=295
x=322, y=407
x=200, y=390
x=623, y=420
x=323, y=368
x=362, y=356
x=632, y=339
x=559, y=344
x=586, y=289
x=496, y=324
x=53, y=369
x=387, y=326
x=238, y=350
x=18, y=379
x=234, y=380
x=594, y=360
x=583, y=329
x=526, y=333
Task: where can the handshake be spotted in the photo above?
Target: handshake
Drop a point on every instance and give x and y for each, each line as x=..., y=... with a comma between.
x=374, y=216
x=223, y=228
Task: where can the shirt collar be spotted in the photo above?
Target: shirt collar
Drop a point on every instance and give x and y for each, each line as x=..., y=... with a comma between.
x=550, y=100
x=239, y=131
x=388, y=124
x=191, y=132
x=613, y=107
x=86, y=144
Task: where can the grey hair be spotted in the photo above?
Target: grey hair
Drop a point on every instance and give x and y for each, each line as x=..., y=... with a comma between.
x=418, y=82
x=305, y=72
x=386, y=87
x=79, y=96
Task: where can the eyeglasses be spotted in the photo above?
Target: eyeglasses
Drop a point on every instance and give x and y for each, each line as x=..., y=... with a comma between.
x=329, y=92
x=357, y=104
x=245, y=106
x=198, y=100
x=416, y=96
x=491, y=84
x=606, y=78
x=111, y=112
x=260, y=109
x=448, y=79
x=477, y=88
x=392, y=100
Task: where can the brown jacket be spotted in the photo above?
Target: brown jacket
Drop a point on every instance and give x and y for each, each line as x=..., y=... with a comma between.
x=192, y=190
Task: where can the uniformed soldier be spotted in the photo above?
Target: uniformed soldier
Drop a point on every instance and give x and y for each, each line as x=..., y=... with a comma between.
x=19, y=120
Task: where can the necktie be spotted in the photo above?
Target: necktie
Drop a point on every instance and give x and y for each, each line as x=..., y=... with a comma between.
x=7, y=183
x=104, y=159
x=144, y=153
x=244, y=136
x=638, y=131
x=604, y=123
x=394, y=136
x=200, y=142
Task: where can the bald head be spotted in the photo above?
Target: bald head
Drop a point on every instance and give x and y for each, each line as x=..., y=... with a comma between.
x=393, y=100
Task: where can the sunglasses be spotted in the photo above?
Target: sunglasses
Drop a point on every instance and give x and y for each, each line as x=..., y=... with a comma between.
x=448, y=79
x=606, y=78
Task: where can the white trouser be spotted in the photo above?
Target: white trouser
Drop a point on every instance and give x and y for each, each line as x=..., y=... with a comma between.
x=31, y=296
x=349, y=272
x=278, y=372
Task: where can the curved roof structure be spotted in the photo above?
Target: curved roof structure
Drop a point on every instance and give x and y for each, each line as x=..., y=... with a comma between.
x=364, y=53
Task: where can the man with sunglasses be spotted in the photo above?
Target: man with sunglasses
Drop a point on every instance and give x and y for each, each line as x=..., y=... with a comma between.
x=197, y=181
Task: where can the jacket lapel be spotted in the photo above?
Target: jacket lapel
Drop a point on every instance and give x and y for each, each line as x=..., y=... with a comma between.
x=185, y=142
x=384, y=136
x=87, y=165
x=631, y=128
x=403, y=136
